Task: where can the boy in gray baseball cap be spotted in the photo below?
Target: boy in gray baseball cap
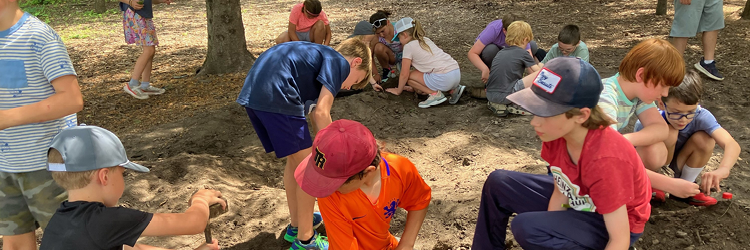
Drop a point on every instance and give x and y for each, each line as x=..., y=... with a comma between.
x=89, y=162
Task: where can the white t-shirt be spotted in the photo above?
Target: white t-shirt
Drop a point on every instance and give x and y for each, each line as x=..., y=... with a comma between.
x=436, y=62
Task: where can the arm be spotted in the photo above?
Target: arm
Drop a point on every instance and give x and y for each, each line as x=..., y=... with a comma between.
x=133, y=3
x=557, y=201
x=414, y=221
x=654, y=130
x=321, y=115
x=618, y=229
x=534, y=69
x=476, y=59
x=66, y=100
x=403, y=77
x=292, y=32
x=675, y=186
x=328, y=36
x=731, y=154
x=213, y=246
x=192, y=221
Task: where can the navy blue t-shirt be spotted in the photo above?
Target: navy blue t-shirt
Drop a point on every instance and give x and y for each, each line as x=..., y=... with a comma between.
x=146, y=12
x=287, y=75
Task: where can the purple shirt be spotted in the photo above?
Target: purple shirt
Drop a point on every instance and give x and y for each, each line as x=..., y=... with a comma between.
x=493, y=34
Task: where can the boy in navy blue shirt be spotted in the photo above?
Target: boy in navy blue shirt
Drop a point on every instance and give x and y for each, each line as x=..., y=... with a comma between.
x=283, y=79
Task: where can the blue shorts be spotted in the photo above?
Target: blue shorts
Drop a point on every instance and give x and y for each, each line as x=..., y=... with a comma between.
x=280, y=133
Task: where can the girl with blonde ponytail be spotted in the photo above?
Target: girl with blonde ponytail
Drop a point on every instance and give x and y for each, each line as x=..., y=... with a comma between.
x=434, y=70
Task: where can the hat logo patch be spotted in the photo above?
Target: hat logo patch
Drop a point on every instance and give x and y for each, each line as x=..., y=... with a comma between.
x=547, y=80
x=320, y=159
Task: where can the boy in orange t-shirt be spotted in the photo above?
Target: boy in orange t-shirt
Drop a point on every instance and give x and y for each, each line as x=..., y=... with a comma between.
x=359, y=189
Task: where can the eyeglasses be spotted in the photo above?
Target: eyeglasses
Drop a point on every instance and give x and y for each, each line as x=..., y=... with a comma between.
x=678, y=116
x=379, y=23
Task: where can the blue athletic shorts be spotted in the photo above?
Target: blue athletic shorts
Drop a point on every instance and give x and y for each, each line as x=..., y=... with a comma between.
x=280, y=133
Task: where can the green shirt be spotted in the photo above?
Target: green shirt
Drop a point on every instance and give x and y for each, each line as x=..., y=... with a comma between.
x=616, y=105
x=581, y=51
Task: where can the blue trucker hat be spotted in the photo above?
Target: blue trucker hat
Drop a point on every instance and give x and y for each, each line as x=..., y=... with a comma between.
x=563, y=84
x=85, y=148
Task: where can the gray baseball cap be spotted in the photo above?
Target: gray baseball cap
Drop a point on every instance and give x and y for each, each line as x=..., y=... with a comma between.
x=362, y=28
x=85, y=148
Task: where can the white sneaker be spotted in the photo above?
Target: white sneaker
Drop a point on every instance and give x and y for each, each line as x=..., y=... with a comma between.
x=433, y=99
x=135, y=92
x=151, y=90
x=456, y=95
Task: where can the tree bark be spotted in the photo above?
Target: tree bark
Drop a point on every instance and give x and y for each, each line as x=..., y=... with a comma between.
x=746, y=12
x=100, y=6
x=227, y=48
x=661, y=7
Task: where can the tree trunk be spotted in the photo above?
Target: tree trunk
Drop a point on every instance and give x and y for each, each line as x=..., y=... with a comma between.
x=746, y=12
x=661, y=7
x=100, y=6
x=227, y=48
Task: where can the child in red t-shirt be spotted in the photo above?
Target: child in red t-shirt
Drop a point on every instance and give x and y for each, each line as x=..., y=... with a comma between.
x=596, y=183
x=359, y=189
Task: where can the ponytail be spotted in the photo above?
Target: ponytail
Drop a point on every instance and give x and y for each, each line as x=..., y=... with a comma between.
x=417, y=32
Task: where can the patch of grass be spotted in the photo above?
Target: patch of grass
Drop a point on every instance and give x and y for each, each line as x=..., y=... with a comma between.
x=39, y=11
x=81, y=33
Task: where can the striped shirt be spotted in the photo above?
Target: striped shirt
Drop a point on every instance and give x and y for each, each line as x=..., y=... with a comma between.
x=615, y=104
x=31, y=56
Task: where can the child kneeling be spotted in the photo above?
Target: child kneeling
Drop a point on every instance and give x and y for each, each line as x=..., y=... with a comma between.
x=597, y=184
x=359, y=189
x=89, y=162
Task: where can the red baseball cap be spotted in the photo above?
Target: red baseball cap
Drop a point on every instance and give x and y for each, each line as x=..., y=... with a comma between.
x=339, y=151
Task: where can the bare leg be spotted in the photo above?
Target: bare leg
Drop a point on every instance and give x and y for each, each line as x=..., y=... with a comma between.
x=146, y=75
x=385, y=55
x=283, y=37
x=142, y=62
x=653, y=156
x=697, y=151
x=709, y=44
x=290, y=184
x=25, y=241
x=318, y=32
x=416, y=81
x=680, y=43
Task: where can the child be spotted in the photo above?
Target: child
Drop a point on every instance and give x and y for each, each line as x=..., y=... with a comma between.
x=277, y=88
x=39, y=96
x=435, y=71
x=507, y=70
x=390, y=50
x=359, y=189
x=364, y=31
x=693, y=132
x=307, y=22
x=493, y=39
x=139, y=29
x=699, y=16
x=645, y=75
x=89, y=162
x=596, y=195
x=568, y=44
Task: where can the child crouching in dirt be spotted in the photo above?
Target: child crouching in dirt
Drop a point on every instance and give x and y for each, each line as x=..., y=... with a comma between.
x=139, y=29
x=277, y=88
x=435, y=71
x=597, y=184
x=693, y=133
x=307, y=22
x=89, y=162
x=359, y=189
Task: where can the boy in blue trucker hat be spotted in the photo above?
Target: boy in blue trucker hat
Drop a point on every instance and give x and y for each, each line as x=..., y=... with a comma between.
x=89, y=162
x=596, y=181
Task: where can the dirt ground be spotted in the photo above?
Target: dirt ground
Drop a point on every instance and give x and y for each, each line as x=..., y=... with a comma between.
x=196, y=136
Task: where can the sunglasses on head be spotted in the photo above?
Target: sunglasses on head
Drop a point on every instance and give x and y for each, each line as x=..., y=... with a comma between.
x=379, y=23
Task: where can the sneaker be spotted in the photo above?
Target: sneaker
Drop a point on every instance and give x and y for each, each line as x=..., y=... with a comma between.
x=151, y=90
x=709, y=70
x=516, y=109
x=699, y=199
x=433, y=99
x=135, y=92
x=291, y=232
x=318, y=242
x=384, y=75
x=456, y=94
x=658, y=195
x=498, y=109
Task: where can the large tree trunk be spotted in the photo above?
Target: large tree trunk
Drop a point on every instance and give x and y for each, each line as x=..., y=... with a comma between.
x=227, y=49
x=661, y=7
x=100, y=6
x=746, y=12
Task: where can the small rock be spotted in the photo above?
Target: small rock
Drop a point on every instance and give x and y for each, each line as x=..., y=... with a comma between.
x=655, y=242
x=690, y=247
x=681, y=234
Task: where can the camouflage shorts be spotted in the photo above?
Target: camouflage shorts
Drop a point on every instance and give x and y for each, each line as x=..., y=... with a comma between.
x=27, y=201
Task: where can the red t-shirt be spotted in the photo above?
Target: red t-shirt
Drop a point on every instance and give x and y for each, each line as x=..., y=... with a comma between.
x=299, y=18
x=609, y=174
x=353, y=222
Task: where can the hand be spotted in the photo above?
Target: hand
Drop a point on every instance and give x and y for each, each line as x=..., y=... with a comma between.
x=209, y=196
x=682, y=188
x=712, y=179
x=213, y=246
x=376, y=77
x=485, y=76
x=402, y=247
x=685, y=2
x=135, y=4
x=377, y=87
x=395, y=91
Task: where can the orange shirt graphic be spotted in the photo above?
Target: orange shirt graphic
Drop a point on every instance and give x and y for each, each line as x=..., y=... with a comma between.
x=353, y=222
